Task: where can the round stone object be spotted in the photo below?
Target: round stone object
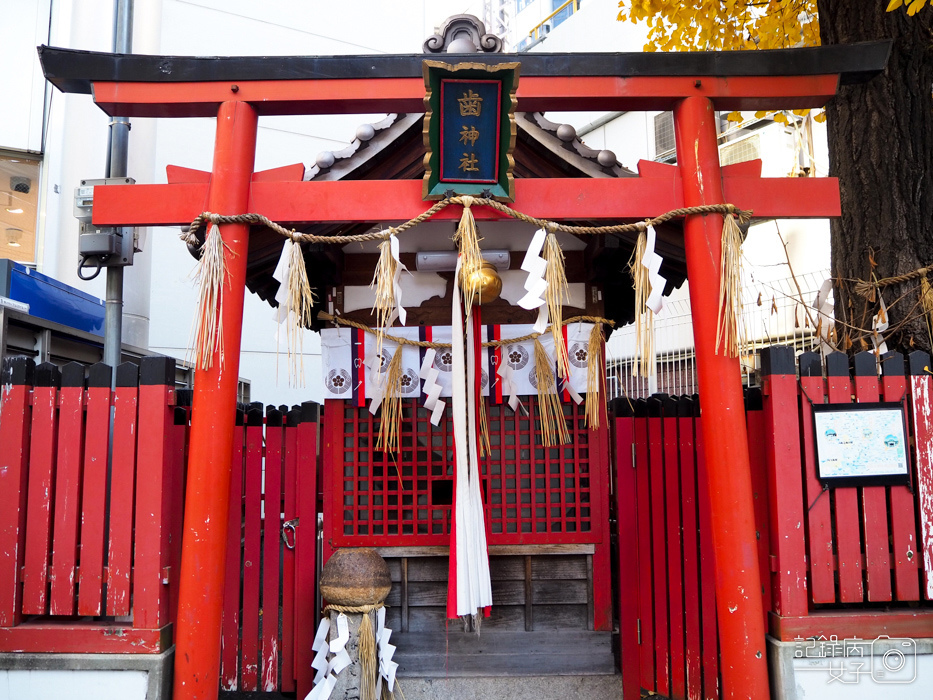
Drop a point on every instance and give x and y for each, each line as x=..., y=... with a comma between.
x=355, y=576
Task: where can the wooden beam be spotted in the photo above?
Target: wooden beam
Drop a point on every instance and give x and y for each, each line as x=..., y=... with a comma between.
x=84, y=638
x=864, y=624
x=608, y=199
x=535, y=94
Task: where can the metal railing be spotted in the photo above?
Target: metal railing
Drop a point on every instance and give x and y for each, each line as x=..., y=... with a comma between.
x=773, y=312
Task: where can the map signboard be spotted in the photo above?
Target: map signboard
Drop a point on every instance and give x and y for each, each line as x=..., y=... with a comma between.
x=861, y=444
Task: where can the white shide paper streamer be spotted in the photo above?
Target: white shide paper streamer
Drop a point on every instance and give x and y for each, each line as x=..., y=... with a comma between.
x=535, y=284
x=432, y=389
x=652, y=261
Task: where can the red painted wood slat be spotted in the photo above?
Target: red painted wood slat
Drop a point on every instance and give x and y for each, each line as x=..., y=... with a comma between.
x=645, y=590
x=271, y=544
x=306, y=534
x=289, y=671
x=626, y=506
x=848, y=536
x=230, y=634
x=874, y=499
x=249, y=644
x=176, y=499
x=94, y=499
x=154, y=459
x=672, y=491
x=758, y=463
x=691, y=564
x=15, y=422
x=903, y=509
x=819, y=518
x=659, y=551
x=67, y=495
x=599, y=515
x=42, y=449
x=710, y=633
x=785, y=487
x=122, y=491
x=921, y=400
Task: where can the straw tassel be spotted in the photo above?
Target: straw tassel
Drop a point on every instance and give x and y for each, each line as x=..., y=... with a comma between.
x=384, y=284
x=644, y=317
x=299, y=308
x=728, y=330
x=550, y=410
x=369, y=668
x=390, y=424
x=211, y=273
x=558, y=291
x=484, y=448
x=595, y=376
x=467, y=240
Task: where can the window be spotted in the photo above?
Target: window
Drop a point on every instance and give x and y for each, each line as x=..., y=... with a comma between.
x=664, y=146
x=19, y=199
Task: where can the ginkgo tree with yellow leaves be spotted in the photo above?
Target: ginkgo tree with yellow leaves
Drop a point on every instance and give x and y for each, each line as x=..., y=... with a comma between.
x=880, y=137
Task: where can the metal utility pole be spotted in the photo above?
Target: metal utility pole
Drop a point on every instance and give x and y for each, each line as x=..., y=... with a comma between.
x=116, y=167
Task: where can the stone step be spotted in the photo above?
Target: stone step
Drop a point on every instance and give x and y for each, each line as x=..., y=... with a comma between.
x=604, y=687
x=504, y=653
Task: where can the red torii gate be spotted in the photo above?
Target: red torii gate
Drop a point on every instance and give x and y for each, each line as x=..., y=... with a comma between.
x=239, y=90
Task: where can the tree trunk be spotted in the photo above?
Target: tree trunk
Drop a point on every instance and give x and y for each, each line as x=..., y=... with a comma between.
x=881, y=149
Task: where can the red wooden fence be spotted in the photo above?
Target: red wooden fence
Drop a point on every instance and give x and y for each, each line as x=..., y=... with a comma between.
x=856, y=560
x=68, y=543
x=269, y=616
x=667, y=605
x=84, y=536
x=849, y=561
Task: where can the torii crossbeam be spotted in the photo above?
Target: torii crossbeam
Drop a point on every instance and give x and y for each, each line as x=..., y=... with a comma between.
x=239, y=90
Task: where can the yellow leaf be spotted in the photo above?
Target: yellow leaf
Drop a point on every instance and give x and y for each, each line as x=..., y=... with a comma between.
x=821, y=117
x=894, y=4
x=915, y=7
x=761, y=114
x=734, y=117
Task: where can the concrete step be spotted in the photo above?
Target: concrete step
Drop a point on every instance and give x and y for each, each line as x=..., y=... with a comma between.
x=605, y=687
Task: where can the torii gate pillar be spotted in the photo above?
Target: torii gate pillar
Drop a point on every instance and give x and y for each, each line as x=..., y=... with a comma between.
x=203, y=557
x=739, y=604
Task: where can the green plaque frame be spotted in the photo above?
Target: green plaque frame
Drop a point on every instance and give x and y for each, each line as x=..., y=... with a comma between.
x=503, y=189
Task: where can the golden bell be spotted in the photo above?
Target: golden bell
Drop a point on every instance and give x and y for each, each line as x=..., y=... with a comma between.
x=485, y=280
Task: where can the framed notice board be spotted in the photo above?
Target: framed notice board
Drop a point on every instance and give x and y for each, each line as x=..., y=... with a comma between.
x=861, y=444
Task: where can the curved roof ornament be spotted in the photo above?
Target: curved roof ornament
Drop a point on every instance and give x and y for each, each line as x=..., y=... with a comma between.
x=463, y=34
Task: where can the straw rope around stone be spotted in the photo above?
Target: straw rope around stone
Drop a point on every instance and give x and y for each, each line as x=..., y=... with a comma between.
x=324, y=316
x=190, y=236
x=867, y=289
x=354, y=608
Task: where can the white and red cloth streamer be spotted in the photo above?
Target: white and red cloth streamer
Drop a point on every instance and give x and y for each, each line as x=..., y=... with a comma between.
x=471, y=587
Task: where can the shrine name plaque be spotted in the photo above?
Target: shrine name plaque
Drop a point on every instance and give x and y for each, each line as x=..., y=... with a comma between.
x=469, y=129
